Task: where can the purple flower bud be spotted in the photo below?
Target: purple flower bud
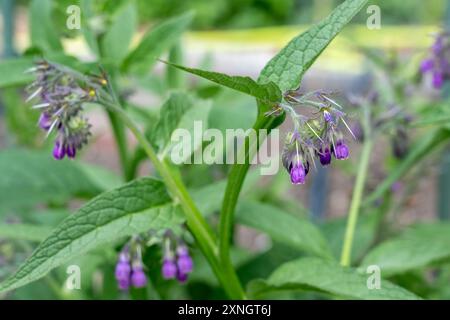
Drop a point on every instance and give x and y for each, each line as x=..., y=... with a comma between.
x=138, y=277
x=71, y=151
x=124, y=284
x=169, y=269
x=123, y=270
x=298, y=173
x=122, y=273
x=426, y=65
x=341, y=152
x=327, y=116
x=184, y=261
x=438, y=45
x=325, y=156
x=45, y=121
x=59, y=151
x=438, y=79
x=182, y=277
x=185, y=264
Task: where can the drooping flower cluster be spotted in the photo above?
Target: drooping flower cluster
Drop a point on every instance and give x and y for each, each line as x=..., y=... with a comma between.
x=317, y=135
x=61, y=105
x=177, y=262
x=438, y=61
x=129, y=268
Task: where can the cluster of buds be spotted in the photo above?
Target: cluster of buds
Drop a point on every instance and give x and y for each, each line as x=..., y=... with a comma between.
x=129, y=268
x=315, y=136
x=61, y=99
x=438, y=62
x=177, y=263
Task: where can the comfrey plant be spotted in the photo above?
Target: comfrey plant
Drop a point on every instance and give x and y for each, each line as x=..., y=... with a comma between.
x=163, y=201
x=316, y=136
x=438, y=61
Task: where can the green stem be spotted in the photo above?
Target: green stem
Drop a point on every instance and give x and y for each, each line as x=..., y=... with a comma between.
x=195, y=221
x=356, y=202
x=121, y=141
x=233, y=189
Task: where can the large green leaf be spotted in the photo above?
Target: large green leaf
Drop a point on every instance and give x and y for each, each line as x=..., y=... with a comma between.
x=326, y=276
x=418, y=247
x=268, y=93
x=42, y=30
x=284, y=228
x=15, y=231
x=155, y=42
x=133, y=208
x=116, y=41
x=365, y=234
x=417, y=153
x=30, y=178
x=288, y=66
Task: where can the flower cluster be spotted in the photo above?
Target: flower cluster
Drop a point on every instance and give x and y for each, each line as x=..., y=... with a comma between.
x=129, y=268
x=315, y=136
x=61, y=105
x=438, y=62
x=177, y=262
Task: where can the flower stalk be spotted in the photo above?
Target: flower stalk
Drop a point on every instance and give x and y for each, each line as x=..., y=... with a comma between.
x=355, y=204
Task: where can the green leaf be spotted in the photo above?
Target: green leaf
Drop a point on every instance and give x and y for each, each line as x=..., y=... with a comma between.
x=15, y=231
x=418, y=247
x=88, y=19
x=198, y=113
x=30, y=178
x=269, y=92
x=417, y=153
x=171, y=114
x=284, y=228
x=288, y=66
x=326, y=276
x=365, y=233
x=118, y=38
x=12, y=72
x=209, y=198
x=42, y=30
x=133, y=208
x=155, y=42
x=20, y=122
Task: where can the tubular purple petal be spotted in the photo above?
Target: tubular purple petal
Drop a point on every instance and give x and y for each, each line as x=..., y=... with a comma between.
x=298, y=173
x=169, y=269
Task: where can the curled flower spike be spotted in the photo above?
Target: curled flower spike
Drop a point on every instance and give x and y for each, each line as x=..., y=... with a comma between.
x=61, y=104
x=314, y=136
x=438, y=61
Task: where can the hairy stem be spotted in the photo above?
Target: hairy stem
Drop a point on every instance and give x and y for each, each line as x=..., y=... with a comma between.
x=235, y=181
x=356, y=202
x=120, y=138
